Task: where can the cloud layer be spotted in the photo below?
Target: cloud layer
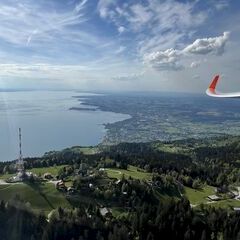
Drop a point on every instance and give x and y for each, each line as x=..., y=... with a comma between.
x=164, y=60
x=208, y=45
x=170, y=59
x=112, y=43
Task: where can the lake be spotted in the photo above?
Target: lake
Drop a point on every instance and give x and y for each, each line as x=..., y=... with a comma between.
x=47, y=123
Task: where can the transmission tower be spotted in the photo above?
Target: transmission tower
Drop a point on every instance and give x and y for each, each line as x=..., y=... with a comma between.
x=21, y=170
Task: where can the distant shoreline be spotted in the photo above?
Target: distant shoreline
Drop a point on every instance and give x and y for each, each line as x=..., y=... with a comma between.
x=83, y=109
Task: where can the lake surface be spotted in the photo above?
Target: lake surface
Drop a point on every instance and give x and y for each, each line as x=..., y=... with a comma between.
x=47, y=123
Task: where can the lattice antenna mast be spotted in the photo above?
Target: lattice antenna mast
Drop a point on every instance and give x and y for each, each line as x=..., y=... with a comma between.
x=20, y=159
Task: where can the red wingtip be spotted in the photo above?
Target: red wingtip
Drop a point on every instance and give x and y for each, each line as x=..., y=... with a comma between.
x=214, y=83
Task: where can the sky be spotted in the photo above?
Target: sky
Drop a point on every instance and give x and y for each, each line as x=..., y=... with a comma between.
x=119, y=45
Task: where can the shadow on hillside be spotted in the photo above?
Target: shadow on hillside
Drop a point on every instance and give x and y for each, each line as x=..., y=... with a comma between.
x=37, y=186
x=171, y=192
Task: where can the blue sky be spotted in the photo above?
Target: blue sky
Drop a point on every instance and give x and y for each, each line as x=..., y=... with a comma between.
x=119, y=45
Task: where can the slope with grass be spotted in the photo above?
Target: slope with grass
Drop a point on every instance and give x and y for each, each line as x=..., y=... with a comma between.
x=198, y=196
x=131, y=171
x=52, y=170
x=42, y=197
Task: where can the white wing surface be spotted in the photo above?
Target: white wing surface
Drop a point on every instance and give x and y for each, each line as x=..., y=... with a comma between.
x=211, y=91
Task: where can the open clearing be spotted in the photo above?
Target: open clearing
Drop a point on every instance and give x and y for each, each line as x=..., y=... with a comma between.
x=132, y=171
x=198, y=196
x=40, y=171
x=85, y=150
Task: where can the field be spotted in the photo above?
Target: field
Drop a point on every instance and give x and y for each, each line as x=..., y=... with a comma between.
x=132, y=171
x=119, y=212
x=229, y=203
x=198, y=196
x=5, y=176
x=40, y=171
x=85, y=150
x=43, y=197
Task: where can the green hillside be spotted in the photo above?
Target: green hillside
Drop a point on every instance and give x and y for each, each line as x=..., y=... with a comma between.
x=52, y=170
x=131, y=171
x=42, y=197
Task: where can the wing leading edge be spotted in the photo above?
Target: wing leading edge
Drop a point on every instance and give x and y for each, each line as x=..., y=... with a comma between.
x=211, y=91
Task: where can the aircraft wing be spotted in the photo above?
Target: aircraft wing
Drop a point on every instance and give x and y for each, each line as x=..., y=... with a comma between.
x=212, y=92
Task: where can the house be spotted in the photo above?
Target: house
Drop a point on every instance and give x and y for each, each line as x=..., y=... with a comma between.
x=214, y=197
x=71, y=190
x=105, y=212
x=61, y=186
x=47, y=176
x=118, y=181
x=83, y=170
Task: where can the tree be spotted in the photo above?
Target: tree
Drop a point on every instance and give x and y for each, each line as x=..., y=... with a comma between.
x=196, y=184
x=204, y=235
x=150, y=236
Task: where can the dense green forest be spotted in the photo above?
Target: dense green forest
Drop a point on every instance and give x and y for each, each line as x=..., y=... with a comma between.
x=172, y=220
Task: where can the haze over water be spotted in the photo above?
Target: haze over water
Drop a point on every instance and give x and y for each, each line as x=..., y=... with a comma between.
x=47, y=123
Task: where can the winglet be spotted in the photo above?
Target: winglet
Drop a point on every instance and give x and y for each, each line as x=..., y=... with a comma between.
x=213, y=84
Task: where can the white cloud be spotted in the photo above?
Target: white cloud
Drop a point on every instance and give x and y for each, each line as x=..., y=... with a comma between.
x=208, y=45
x=120, y=49
x=129, y=77
x=222, y=4
x=121, y=29
x=175, y=14
x=195, y=64
x=41, y=69
x=52, y=32
x=80, y=5
x=139, y=16
x=153, y=15
x=62, y=74
x=104, y=8
x=30, y=36
x=21, y=22
x=164, y=60
x=196, y=77
x=156, y=25
x=170, y=59
x=156, y=43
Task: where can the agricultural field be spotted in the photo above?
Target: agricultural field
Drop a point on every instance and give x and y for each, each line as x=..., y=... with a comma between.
x=132, y=171
x=228, y=203
x=198, y=196
x=5, y=176
x=85, y=150
x=52, y=170
x=38, y=171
